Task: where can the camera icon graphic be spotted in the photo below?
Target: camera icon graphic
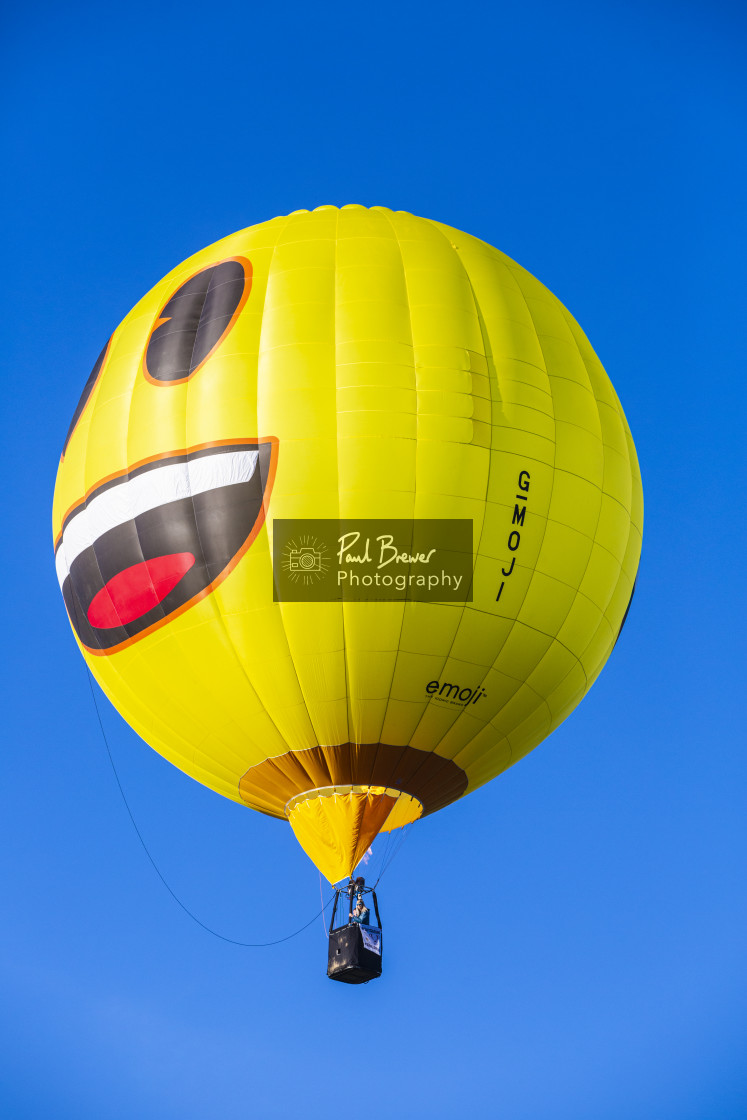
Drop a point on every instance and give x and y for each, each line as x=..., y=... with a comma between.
x=305, y=559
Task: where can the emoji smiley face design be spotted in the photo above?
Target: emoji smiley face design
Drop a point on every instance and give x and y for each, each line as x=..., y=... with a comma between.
x=346, y=364
x=149, y=540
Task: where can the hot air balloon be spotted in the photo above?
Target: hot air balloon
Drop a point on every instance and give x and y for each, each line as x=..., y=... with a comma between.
x=346, y=365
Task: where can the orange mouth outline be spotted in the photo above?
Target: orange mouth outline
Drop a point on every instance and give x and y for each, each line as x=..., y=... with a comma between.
x=210, y=587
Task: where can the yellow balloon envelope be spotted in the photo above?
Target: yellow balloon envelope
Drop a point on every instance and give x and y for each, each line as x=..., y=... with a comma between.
x=346, y=365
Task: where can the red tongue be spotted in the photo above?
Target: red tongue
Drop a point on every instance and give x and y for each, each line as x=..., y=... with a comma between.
x=138, y=589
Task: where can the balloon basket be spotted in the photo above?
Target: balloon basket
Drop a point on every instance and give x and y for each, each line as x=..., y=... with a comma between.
x=354, y=954
x=354, y=947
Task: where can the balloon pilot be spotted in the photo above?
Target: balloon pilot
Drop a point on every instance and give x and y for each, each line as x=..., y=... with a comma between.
x=361, y=913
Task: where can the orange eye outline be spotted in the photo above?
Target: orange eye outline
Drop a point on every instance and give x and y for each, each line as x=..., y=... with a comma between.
x=159, y=320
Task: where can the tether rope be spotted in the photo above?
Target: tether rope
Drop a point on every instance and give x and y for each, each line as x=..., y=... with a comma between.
x=321, y=896
x=154, y=865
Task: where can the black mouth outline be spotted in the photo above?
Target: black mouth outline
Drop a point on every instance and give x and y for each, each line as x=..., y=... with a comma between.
x=216, y=526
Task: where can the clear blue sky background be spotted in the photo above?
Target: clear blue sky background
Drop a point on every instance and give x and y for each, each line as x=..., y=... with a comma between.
x=580, y=955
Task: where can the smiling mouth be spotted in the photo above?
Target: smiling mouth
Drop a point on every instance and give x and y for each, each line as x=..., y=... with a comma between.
x=148, y=544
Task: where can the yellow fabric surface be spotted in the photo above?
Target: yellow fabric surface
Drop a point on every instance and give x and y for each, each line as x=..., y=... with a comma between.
x=398, y=368
x=336, y=830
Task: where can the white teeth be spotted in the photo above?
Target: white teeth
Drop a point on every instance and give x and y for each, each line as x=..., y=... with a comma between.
x=147, y=491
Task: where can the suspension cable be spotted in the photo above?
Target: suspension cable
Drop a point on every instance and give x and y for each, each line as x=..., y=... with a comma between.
x=394, y=854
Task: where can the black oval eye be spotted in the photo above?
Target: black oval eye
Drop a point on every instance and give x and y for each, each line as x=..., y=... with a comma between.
x=87, y=390
x=195, y=319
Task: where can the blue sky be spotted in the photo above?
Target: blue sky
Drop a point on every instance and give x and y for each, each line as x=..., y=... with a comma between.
x=581, y=952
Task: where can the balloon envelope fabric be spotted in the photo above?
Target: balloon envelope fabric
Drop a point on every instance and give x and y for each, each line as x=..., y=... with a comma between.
x=341, y=364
